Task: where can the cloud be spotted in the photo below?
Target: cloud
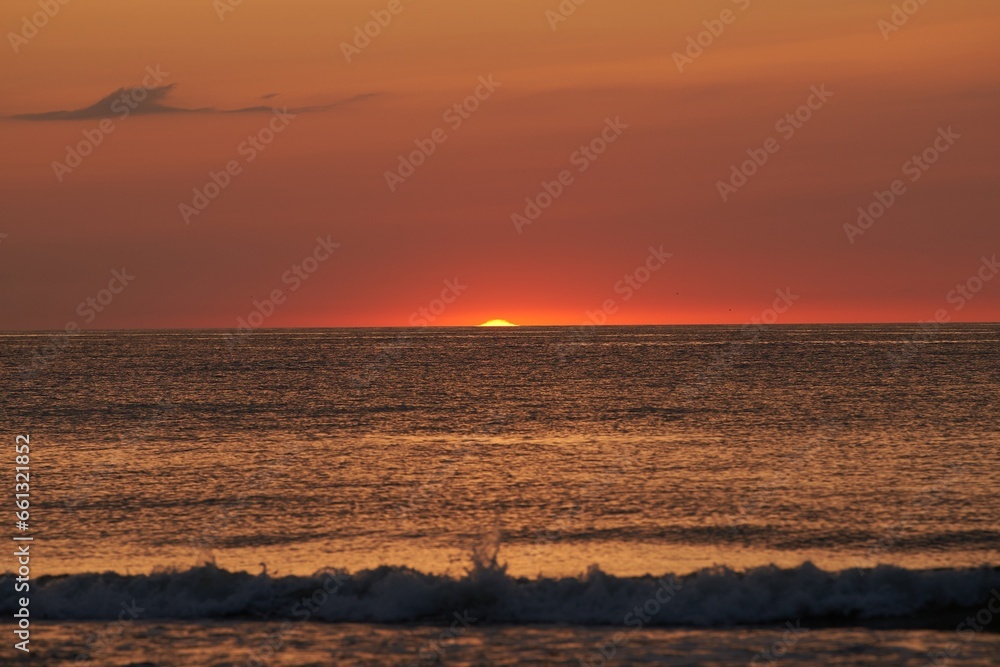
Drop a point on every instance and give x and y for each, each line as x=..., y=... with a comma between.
x=136, y=100
x=149, y=101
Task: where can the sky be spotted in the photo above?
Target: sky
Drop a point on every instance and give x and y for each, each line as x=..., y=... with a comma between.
x=595, y=169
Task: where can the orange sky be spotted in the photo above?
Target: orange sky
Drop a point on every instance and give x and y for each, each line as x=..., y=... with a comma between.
x=657, y=184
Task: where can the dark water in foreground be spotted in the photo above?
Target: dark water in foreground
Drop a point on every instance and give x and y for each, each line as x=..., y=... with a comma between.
x=572, y=463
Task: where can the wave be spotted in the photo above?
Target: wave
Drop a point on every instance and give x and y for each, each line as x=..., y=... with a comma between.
x=711, y=597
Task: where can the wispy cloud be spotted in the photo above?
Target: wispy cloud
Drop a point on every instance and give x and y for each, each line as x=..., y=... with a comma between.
x=149, y=101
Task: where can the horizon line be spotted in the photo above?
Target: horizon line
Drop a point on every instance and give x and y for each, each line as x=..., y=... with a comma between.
x=930, y=323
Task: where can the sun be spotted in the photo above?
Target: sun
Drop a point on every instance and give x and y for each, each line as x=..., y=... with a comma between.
x=498, y=323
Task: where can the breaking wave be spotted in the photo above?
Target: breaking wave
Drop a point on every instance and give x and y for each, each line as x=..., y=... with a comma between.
x=710, y=597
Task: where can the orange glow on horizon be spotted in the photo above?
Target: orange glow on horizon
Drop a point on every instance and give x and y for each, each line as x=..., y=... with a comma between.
x=533, y=99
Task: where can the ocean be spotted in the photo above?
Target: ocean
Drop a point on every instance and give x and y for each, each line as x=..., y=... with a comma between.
x=791, y=495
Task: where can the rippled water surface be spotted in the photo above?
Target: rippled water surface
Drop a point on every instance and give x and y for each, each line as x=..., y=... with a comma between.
x=305, y=645
x=638, y=449
x=531, y=475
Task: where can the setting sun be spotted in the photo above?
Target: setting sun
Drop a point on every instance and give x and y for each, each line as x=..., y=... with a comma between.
x=498, y=323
